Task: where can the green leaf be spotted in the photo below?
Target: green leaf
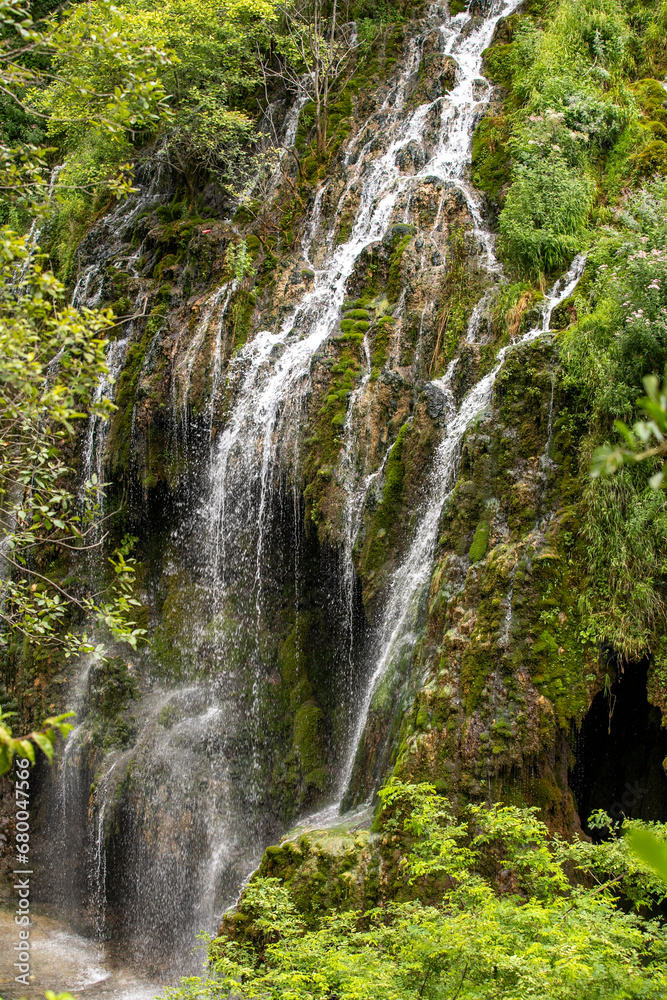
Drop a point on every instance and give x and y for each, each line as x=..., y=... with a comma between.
x=649, y=849
x=28, y=750
x=44, y=743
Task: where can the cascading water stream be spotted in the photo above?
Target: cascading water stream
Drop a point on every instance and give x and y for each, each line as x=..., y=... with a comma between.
x=398, y=629
x=274, y=367
x=182, y=377
x=98, y=429
x=459, y=113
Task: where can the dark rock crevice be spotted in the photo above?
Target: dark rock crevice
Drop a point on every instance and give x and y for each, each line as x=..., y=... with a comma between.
x=620, y=752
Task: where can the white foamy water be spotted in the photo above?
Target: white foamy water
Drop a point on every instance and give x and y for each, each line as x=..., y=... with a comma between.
x=65, y=962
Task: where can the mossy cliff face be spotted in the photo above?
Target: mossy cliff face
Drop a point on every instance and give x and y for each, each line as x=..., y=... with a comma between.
x=508, y=669
x=507, y=664
x=171, y=264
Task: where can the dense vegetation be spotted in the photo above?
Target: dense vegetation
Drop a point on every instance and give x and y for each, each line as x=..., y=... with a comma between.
x=491, y=906
x=573, y=161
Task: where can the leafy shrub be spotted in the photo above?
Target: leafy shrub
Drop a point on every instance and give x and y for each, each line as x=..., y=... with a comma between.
x=622, y=331
x=517, y=914
x=625, y=535
x=543, y=222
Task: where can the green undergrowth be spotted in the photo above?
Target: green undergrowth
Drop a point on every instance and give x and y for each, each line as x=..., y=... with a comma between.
x=436, y=905
x=382, y=42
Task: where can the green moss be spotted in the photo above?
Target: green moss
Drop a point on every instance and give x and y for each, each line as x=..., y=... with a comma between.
x=182, y=614
x=334, y=869
x=381, y=343
x=247, y=213
x=163, y=264
x=339, y=123
x=544, y=634
x=175, y=210
x=168, y=716
x=392, y=493
x=561, y=658
x=325, y=443
x=120, y=433
x=480, y=542
x=113, y=688
x=308, y=737
x=386, y=520
x=241, y=311
x=460, y=291
x=499, y=64
x=490, y=156
x=652, y=159
x=650, y=96
x=395, y=281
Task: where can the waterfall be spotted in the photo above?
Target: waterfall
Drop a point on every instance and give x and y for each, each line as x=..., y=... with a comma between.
x=271, y=374
x=181, y=807
x=97, y=432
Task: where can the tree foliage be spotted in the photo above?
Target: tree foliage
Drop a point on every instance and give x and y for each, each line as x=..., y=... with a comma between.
x=204, y=55
x=315, y=56
x=51, y=358
x=45, y=738
x=46, y=70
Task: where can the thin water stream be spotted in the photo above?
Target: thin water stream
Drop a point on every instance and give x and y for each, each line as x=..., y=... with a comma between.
x=401, y=618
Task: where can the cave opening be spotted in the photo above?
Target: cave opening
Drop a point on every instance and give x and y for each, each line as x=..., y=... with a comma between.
x=620, y=749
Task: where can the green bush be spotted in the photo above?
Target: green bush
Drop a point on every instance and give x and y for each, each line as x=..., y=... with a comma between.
x=625, y=534
x=621, y=333
x=499, y=909
x=543, y=222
